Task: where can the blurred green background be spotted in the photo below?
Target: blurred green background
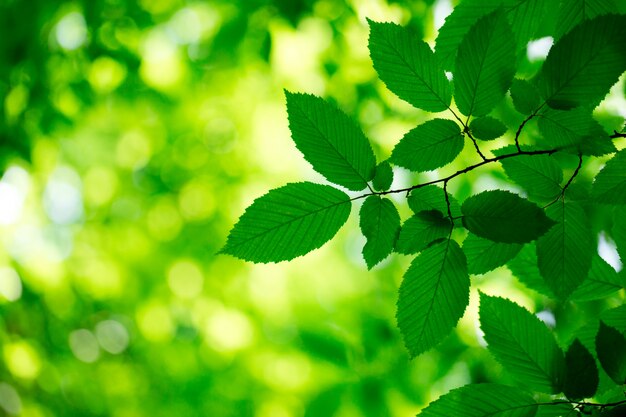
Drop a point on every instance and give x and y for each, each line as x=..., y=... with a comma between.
x=132, y=136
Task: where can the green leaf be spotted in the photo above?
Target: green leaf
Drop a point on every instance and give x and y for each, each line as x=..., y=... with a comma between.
x=408, y=67
x=288, y=222
x=485, y=65
x=420, y=230
x=383, y=177
x=522, y=344
x=487, y=128
x=432, y=197
x=504, y=217
x=573, y=12
x=524, y=268
x=581, y=372
x=540, y=175
x=380, y=224
x=330, y=141
x=433, y=296
x=564, y=253
x=609, y=186
x=618, y=231
x=576, y=129
x=583, y=65
x=428, y=146
x=611, y=350
x=482, y=400
x=525, y=96
x=484, y=255
x=602, y=281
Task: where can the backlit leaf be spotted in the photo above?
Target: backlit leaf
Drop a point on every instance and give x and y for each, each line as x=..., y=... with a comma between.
x=421, y=230
x=583, y=65
x=484, y=255
x=522, y=343
x=487, y=128
x=609, y=186
x=433, y=296
x=432, y=197
x=288, y=222
x=408, y=67
x=540, y=175
x=524, y=268
x=611, y=350
x=330, y=141
x=525, y=96
x=618, y=231
x=428, y=146
x=485, y=65
x=380, y=224
x=573, y=12
x=601, y=281
x=383, y=177
x=505, y=217
x=581, y=372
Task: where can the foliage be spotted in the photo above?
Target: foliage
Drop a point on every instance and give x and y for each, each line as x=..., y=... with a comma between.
x=550, y=219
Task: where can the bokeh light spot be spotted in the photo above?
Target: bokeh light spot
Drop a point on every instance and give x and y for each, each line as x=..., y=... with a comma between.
x=10, y=284
x=112, y=336
x=155, y=322
x=229, y=330
x=106, y=74
x=22, y=359
x=84, y=345
x=185, y=279
x=71, y=31
x=9, y=399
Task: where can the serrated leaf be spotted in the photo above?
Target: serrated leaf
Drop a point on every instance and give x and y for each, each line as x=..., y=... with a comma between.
x=611, y=351
x=618, y=231
x=484, y=255
x=581, y=372
x=428, y=146
x=485, y=65
x=288, y=222
x=504, y=217
x=383, y=177
x=487, y=128
x=525, y=96
x=421, y=230
x=540, y=175
x=524, y=268
x=564, y=254
x=575, y=129
x=380, y=224
x=432, y=197
x=573, y=12
x=482, y=400
x=330, y=141
x=433, y=296
x=601, y=282
x=583, y=65
x=522, y=344
x=408, y=67
x=609, y=186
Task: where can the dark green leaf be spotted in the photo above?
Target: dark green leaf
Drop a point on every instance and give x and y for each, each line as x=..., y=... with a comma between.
x=583, y=65
x=484, y=255
x=556, y=409
x=428, y=146
x=522, y=344
x=380, y=223
x=609, y=186
x=564, y=253
x=482, y=400
x=524, y=268
x=421, y=230
x=487, y=128
x=383, y=177
x=433, y=296
x=581, y=372
x=504, y=217
x=611, y=350
x=619, y=411
x=408, y=67
x=432, y=197
x=485, y=65
x=525, y=96
x=618, y=231
x=602, y=281
x=330, y=141
x=288, y=222
x=540, y=175
x=573, y=12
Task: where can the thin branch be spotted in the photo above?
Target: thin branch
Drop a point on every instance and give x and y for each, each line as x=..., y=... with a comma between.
x=445, y=193
x=569, y=182
x=616, y=134
x=469, y=135
x=521, y=127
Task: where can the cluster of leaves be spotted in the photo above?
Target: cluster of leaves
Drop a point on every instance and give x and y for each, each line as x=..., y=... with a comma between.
x=545, y=237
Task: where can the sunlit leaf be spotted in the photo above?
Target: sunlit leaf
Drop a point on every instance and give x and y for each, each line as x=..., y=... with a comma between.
x=611, y=350
x=618, y=231
x=583, y=65
x=483, y=400
x=330, y=141
x=408, y=67
x=487, y=128
x=380, y=224
x=484, y=255
x=524, y=268
x=525, y=96
x=288, y=222
x=428, y=146
x=383, y=177
x=421, y=230
x=564, y=254
x=432, y=197
x=601, y=282
x=433, y=296
x=522, y=344
x=504, y=217
x=573, y=12
x=485, y=65
x=581, y=372
x=610, y=184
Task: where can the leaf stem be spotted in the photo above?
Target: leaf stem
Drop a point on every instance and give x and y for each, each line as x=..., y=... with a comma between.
x=569, y=182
